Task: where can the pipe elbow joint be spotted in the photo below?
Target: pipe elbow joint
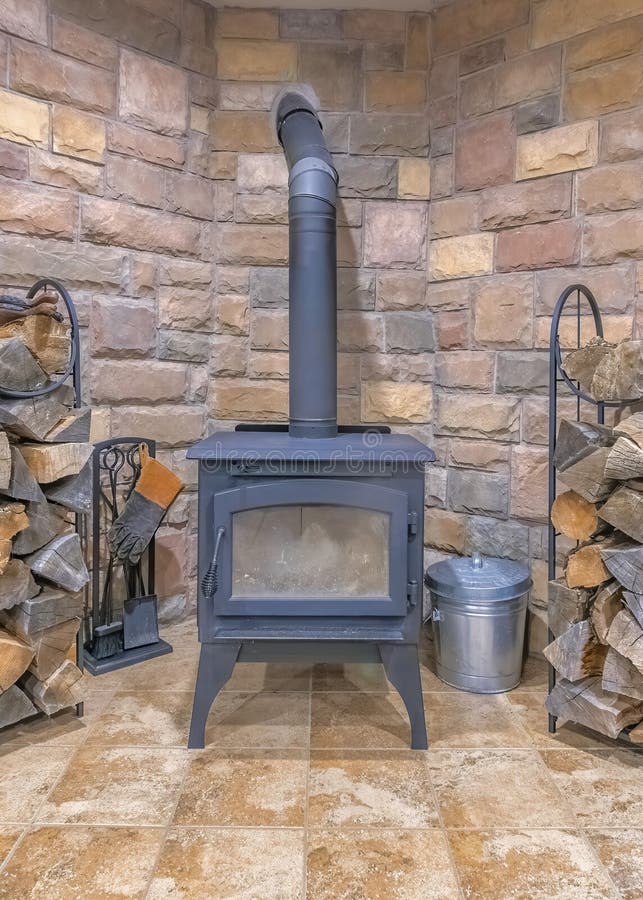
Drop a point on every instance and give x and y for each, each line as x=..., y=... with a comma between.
x=312, y=177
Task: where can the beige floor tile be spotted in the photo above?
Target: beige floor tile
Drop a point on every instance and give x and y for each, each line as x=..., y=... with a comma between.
x=27, y=774
x=118, y=786
x=65, y=729
x=244, y=787
x=88, y=863
x=259, y=720
x=528, y=709
x=350, y=677
x=472, y=720
x=379, y=864
x=174, y=672
x=534, y=674
x=495, y=788
x=142, y=718
x=255, y=677
x=603, y=787
x=533, y=677
x=385, y=788
x=212, y=864
x=428, y=672
x=621, y=852
x=528, y=864
x=9, y=834
x=180, y=632
x=182, y=635
x=361, y=721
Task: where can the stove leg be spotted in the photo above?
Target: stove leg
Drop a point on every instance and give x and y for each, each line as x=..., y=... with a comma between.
x=215, y=668
x=402, y=667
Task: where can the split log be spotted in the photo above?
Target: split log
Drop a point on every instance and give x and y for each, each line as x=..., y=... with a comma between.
x=32, y=417
x=585, y=567
x=576, y=653
x=574, y=516
x=51, y=647
x=19, y=370
x=620, y=676
x=5, y=554
x=15, y=706
x=606, y=371
x=636, y=734
x=605, y=606
x=566, y=606
x=581, y=364
x=634, y=603
x=23, y=486
x=5, y=462
x=64, y=688
x=625, y=460
x=61, y=562
x=49, y=608
x=76, y=491
x=15, y=656
x=624, y=510
x=74, y=427
x=618, y=376
x=587, y=476
x=578, y=439
x=44, y=525
x=50, y=462
x=47, y=339
x=13, y=518
x=626, y=637
x=66, y=516
x=625, y=561
x=16, y=584
x=586, y=703
x=632, y=427
x=14, y=307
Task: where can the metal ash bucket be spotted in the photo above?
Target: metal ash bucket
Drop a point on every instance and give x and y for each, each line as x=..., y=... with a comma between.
x=478, y=608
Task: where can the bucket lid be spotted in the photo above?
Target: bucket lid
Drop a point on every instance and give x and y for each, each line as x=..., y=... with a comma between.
x=474, y=577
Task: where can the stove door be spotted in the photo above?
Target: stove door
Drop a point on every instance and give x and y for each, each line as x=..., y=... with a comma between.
x=311, y=547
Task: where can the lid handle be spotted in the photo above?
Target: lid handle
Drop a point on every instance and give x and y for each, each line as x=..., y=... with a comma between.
x=476, y=560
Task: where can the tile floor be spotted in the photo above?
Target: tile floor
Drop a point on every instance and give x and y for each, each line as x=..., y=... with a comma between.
x=307, y=789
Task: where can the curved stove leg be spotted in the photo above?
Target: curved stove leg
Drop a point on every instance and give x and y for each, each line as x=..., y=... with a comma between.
x=215, y=668
x=402, y=667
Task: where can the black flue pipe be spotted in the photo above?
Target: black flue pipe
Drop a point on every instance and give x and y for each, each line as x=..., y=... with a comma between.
x=312, y=218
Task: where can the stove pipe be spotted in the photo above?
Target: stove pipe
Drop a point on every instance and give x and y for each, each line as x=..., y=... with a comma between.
x=313, y=267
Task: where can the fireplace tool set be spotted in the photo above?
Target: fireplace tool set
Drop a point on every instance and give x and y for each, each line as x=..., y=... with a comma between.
x=310, y=535
x=122, y=625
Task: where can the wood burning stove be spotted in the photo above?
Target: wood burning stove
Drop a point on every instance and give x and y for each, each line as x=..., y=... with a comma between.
x=310, y=535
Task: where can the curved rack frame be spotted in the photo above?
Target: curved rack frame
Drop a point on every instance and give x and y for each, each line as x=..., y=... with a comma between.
x=73, y=365
x=558, y=376
x=71, y=369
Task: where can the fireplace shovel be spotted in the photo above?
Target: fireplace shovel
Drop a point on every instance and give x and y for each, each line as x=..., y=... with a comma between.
x=140, y=612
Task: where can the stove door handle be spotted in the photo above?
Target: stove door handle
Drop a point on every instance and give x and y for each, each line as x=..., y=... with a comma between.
x=210, y=581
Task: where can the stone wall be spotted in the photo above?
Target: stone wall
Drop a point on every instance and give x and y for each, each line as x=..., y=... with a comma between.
x=138, y=165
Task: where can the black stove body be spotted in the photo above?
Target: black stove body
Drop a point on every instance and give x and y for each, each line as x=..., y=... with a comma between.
x=310, y=535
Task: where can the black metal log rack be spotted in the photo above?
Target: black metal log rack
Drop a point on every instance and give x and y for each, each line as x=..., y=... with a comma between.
x=575, y=298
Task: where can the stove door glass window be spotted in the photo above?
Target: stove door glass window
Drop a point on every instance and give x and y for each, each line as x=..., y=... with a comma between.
x=310, y=550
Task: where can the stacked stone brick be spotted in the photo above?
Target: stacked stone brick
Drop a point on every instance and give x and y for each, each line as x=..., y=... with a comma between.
x=139, y=166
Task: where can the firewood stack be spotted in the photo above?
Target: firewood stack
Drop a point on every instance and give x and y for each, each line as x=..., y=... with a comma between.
x=44, y=480
x=596, y=608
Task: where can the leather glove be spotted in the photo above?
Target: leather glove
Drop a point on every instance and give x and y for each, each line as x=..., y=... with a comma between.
x=156, y=489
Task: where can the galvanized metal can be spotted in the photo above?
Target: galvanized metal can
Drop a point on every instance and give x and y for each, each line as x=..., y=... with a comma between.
x=479, y=609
